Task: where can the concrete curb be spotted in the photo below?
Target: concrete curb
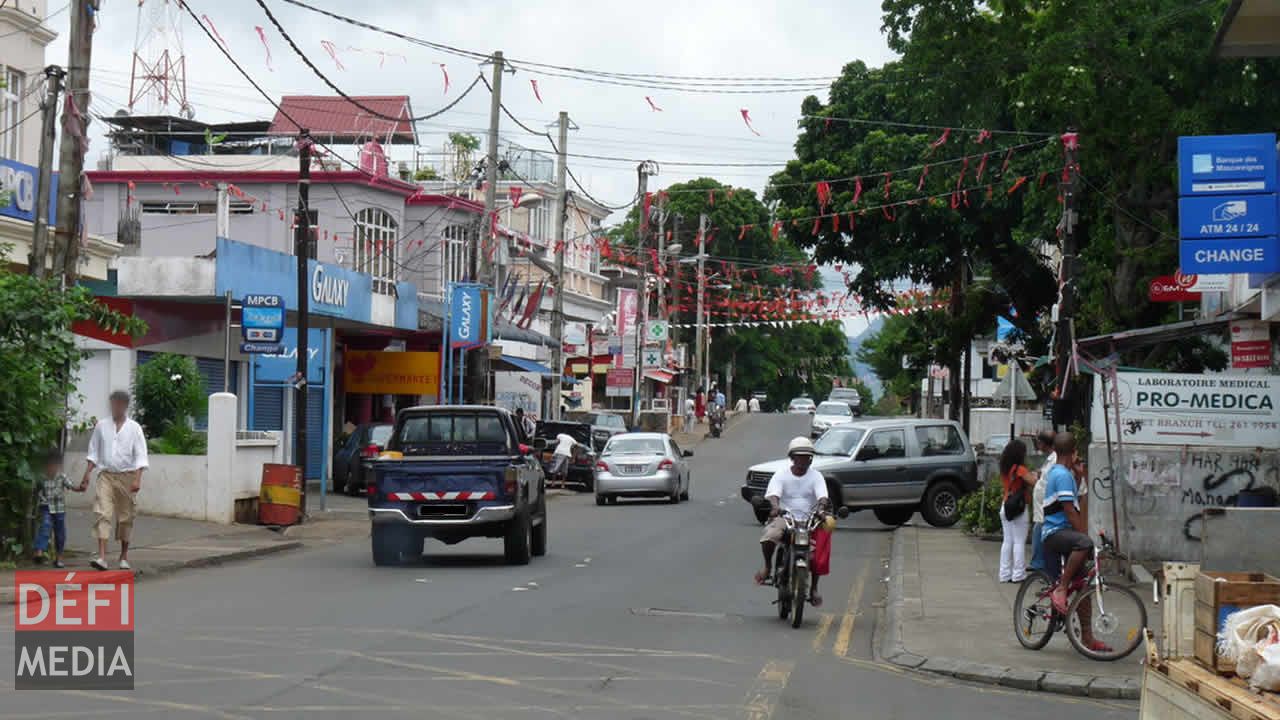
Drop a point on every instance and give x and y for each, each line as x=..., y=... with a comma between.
x=891, y=650
x=7, y=596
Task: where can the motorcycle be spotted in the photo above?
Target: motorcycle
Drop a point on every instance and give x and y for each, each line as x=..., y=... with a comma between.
x=715, y=421
x=792, y=560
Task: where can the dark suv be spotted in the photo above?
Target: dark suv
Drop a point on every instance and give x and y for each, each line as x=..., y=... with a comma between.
x=604, y=425
x=847, y=395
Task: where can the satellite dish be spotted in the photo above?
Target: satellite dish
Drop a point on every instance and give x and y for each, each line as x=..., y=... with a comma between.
x=188, y=112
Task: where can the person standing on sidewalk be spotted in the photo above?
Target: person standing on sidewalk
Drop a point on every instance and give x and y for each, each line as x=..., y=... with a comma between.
x=53, y=509
x=1017, y=480
x=119, y=448
x=1044, y=444
x=688, y=413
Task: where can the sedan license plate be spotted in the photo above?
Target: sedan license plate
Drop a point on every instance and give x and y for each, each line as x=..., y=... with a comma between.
x=631, y=469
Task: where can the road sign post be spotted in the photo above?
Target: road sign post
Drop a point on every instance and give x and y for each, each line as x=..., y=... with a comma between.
x=1228, y=214
x=261, y=323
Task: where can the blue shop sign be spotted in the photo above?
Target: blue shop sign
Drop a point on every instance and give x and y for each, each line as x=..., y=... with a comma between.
x=333, y=290
x=18, y=187
x=468, y=317
x=1227, y=164
x=1228, y=216
x=1241, y=255
x=279, y=367
x=261, y=318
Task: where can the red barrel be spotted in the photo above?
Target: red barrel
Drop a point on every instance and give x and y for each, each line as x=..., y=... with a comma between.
x=280, y=499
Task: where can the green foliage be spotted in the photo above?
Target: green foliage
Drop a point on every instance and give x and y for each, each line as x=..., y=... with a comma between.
x=426, y=173
x=179, y=439
x=38, y=358
x=980, y=511
x=168, y=390
x=889, y=405
x=465, y=142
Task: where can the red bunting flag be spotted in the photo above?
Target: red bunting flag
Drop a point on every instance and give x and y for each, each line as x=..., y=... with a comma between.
x=853, y=221
x=281, y=213
x=982, y=166
x=983, y=136
x=824, y=194
x=711, y=197
x=1043, y=177
x=857, y=189
x=923, y=174
x=835, y=222
x=515, y=191
x=1007, y=157
x=816, y=222
x=888, y=214
x=777, y=227
x=214, y=29
x=742, y=232
x=964, y=167
x=746, y=118
x=445, y=71
x=1022, y=180
x=942, y=140
x=536, y=93
x=888, y=177
x=333, y=53
x=262, y=35
x=652, y=105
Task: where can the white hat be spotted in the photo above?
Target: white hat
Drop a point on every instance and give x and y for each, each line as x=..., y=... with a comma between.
x=801, y=446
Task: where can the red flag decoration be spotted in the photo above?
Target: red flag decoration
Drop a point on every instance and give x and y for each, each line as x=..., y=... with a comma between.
x=816, y=222
x=281, y=213
x=835, y=222
x=857, y=189
x=1043, y=177
x=826, y=125
x=652, y=105
x=648, y=205
x=824, y=194
x=445, y=71
x=982, y=166
x=1007, y=157
x=777, y=227
x=983, y=136
x=888, y=215
x=746, y=118
x=536, y=92
x=964, y=167
x=942, y=140
x=711, y=197
x=333, y=53
x=853, y=221
x=923, y=174
x=743, y=231
x=262, y=35
x=1022, y=180
x=888, y=177
x=515, y=191
x=214, y=29
x=493, y=224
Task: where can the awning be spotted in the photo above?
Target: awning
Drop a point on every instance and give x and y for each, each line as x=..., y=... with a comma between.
x=1143, y=337
x=526, y=365
x=1250, y=29
x=661, y=376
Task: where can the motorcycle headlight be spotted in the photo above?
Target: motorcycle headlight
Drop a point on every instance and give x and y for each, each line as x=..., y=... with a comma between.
x=801, y=537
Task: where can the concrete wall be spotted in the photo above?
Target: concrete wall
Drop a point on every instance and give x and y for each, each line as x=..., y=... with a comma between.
x=251, y=455
x=174, y=486
x=1163, y=489
x=985, y=422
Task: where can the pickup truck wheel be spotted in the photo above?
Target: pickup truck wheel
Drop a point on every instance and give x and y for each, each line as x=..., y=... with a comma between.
x=894, y=516
x=600, y=499
x=518, y=543
x=386, y=546
x=941, y=506
x=538, y=546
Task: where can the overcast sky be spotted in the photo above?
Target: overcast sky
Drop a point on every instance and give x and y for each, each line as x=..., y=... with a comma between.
x=709, y=38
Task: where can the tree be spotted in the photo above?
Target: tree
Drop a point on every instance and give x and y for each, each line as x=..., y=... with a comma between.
x=38, y=359
x=782, y=360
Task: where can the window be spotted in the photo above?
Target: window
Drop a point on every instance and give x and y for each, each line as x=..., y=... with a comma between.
x=453, y=256
x=11, y=123
x=883, y=445
x=190, y=207
x=540, y=223
x=939, y=440
x=635, y=446
x=476, y=433
x=835, y=408
x=838, y=441
x=376, y=247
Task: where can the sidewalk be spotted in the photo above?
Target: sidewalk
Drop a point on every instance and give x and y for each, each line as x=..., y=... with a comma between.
x=946, y=613
x=163, y=545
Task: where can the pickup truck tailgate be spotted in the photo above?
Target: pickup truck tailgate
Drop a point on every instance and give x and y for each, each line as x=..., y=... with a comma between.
x=432, y=488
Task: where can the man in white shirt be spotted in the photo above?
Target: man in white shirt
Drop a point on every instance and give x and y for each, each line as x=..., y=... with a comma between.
x=563, y=454
x=1044, y=443
x=119, y=448
x=754, y=405
x=796, y=489
x=689, y=407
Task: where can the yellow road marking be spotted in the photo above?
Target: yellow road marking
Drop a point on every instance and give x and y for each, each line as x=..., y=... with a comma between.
x=763, y=696
x=824, y=627
x=845, y=636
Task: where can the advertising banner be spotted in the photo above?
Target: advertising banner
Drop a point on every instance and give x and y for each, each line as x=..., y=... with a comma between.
x=1184, y=409
x=522, y=390
x=391, y=373
x=18, y=191
x=468, y=317
x=628, y=311
x=1250, y=344
x=619, y=382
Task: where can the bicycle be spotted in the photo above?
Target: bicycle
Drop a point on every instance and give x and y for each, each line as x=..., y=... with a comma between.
x=1115, y=613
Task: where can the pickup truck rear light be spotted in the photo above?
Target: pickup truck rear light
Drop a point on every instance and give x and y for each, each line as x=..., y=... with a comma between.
x=510, y=482
x=666, y=464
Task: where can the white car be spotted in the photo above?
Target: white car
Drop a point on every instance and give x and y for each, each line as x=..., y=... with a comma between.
x=829, y=414
x=801, y=406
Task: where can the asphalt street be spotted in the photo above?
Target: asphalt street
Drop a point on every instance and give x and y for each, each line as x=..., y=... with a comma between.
x=640, y=610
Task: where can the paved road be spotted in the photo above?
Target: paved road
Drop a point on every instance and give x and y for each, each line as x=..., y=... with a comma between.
x=639, y=611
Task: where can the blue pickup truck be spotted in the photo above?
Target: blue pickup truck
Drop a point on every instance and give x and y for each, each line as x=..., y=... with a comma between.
x=455, y=472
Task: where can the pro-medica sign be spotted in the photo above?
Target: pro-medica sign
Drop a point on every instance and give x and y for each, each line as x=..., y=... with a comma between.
x=1176, y=409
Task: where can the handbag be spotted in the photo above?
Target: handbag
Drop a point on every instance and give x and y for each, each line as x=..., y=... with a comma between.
x=1016, y=503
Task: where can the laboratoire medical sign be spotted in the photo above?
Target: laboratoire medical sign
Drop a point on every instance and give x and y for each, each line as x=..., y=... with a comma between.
x=1180, y=409
x=73, y=630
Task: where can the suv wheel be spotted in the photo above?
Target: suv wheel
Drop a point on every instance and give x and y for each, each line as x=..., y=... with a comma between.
x=518, y=542
x=894, y=516
x=941, y=506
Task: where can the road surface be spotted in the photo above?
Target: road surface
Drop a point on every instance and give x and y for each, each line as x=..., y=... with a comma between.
x=640, y=610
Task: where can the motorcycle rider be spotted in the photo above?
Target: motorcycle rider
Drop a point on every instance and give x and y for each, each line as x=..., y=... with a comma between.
x=796, y=489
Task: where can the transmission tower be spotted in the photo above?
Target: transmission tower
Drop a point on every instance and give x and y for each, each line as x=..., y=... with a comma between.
x=159, y=65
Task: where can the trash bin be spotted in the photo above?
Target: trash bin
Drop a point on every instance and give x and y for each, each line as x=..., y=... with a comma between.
x=280, y=499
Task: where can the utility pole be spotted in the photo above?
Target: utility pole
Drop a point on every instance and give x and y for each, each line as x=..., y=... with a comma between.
x=676, y=219
x=1066, y=278
x=643, y=171
x=75, y=140
x=700, y=341
x=662, y=258
x=302, y=253
x=48, y=136
x=562, y=216
x=488, y=271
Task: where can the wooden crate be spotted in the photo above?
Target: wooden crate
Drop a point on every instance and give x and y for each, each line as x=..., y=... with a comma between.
x=1218, y=594
x=1179, y=689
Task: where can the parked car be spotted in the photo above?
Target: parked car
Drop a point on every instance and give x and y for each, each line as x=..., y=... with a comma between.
x=642, y=465
x=893, y=467
x=801, y=406
x=995, y=444
x=829, y=414
x=349, y=460
x=848, y=395
x=604, y=425
x=582, y=466
x=453, y=472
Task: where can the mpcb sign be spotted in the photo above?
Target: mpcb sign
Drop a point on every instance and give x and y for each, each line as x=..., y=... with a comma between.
x=73, y=630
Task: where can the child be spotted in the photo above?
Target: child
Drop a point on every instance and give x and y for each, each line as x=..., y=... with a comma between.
x=52, y=501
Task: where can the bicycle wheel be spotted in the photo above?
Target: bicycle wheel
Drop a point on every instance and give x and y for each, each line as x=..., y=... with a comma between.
x=1033, y=619
x=1116, y=616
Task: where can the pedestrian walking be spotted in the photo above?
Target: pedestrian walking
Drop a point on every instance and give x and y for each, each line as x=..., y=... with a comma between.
x=689, y=407
x=52, y=506
x=1017, y=481
x=754, y=405
x=700, y=406
x=740, y=406
x=1044, y=443
x=526, y=424
x=563, y=455
x=119, y=448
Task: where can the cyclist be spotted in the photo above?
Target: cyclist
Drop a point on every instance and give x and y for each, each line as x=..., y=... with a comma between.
x=1065, y=532
x=797, y=489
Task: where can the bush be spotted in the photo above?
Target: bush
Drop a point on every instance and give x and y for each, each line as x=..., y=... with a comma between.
x=179, y=439
x=168, y=390
x=980, y=511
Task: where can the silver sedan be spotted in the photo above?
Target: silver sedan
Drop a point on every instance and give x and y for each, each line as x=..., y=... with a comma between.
x=642, y=465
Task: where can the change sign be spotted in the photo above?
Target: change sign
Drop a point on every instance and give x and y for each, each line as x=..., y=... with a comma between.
x=1228, y=209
